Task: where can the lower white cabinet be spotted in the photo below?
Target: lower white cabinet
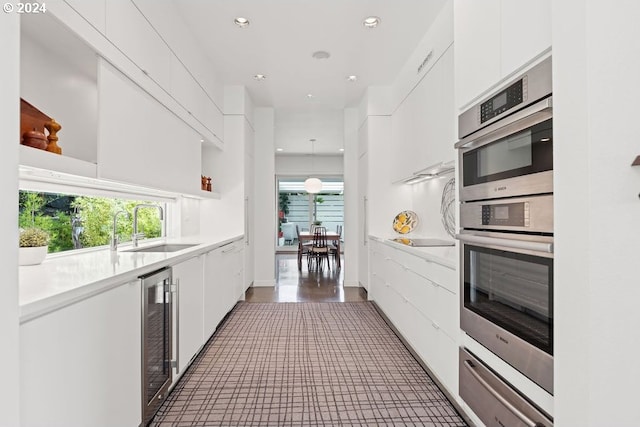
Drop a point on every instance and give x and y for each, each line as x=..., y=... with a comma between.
x=222, y=283
x=189, y=324
x=80, y=365
x=416, y=295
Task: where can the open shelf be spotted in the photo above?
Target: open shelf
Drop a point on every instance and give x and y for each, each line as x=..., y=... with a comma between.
x=41, y=159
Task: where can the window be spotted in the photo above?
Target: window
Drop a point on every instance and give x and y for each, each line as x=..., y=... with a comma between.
x=76, y=222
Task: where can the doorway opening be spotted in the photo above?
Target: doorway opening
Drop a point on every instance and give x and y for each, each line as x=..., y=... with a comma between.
x=298, y=208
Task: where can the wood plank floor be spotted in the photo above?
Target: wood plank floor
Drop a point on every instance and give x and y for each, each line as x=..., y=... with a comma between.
x=293, y=285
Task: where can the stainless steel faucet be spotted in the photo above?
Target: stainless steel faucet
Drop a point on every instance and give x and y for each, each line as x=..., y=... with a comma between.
x=136, y=236
x=114, y=236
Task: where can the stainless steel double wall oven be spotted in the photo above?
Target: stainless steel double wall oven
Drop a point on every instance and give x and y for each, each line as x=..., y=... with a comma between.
x=506, y=224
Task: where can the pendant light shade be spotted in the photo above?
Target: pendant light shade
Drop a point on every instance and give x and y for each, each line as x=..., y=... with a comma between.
x=313, y=185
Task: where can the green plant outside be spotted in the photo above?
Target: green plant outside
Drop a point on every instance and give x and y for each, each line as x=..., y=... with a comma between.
x=94, y=215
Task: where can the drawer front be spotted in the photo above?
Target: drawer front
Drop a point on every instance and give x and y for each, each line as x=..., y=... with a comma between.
x=492, y=400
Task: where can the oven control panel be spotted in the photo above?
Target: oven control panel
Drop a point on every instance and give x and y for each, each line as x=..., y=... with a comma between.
x=533, y=214
x=514, y=214
x=503, y=101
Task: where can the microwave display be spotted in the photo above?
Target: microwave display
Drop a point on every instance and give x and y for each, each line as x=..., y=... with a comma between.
x=505, y=100
x=512, y=214
x=526, y=152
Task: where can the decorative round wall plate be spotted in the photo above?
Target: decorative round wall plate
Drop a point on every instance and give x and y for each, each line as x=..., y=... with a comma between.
x=405, y=222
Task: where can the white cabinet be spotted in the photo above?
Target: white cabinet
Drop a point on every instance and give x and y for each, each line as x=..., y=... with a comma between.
x=188, y=276
x=93, y=11
x=131, y=32
x=477, y=47
x=222, y=283
x=423, y=126
x=189, y=93
x=140, y=141
x=81, y=365
x=419, y=297
x=525, y=27
x=363, y=224
x=494, y=38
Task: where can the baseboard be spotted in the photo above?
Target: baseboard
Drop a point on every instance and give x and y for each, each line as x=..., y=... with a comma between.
x=263, y=283
x=351, y=284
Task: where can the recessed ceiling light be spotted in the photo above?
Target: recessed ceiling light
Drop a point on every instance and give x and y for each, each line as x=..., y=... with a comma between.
x=279, y=149
x=201, y=139
x=241, y=22
x=352, y=78
x=341, y=149
x=371, y=22
x=321, y=54
x=309, y=95
x=259, y=77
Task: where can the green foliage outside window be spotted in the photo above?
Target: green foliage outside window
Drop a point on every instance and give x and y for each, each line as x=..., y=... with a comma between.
x=90, y=219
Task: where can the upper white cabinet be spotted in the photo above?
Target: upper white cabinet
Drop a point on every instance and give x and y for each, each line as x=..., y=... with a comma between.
x=494, y=38
x=140, y=141
x=93, y=11
x=525, y=32
x=423, y=126
x=477, y=47
x=130, y=31
x=188, y=92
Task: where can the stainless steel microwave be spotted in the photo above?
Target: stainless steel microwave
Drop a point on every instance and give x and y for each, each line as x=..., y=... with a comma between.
x=506, y=145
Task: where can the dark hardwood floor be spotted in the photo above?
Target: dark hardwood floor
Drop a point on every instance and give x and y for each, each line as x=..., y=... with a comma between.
x=305, y=286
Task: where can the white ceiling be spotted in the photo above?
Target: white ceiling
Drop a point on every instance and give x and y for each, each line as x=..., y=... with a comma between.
x=281, y=38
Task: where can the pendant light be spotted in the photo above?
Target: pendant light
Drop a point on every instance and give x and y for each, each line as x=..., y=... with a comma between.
x=312, y=185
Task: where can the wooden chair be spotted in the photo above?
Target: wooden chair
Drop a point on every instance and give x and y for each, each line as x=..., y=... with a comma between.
x=303, y=248
x=319, y=249
x=333, y=247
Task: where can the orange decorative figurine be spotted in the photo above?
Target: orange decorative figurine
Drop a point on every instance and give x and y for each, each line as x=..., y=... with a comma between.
x=53, y=127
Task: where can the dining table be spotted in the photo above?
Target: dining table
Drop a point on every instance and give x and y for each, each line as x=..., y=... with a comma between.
x=307, y=236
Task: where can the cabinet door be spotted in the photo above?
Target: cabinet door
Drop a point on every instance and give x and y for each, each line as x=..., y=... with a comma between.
x=140, y=141
x=130, y=31
x=525, y=32
x=214, y=282
x=81, y=365
x=423, y=126
x=477, y=47
x=93, y=11
x=363, y=204
x=188, y=276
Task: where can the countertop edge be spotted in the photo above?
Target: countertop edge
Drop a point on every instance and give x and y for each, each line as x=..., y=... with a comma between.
x=419, y=252
x=44, y=306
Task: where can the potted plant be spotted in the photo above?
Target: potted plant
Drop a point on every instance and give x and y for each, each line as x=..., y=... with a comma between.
x=33, y=246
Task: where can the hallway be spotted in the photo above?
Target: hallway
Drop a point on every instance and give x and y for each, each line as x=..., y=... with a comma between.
x=306, y=352
x=305, y=286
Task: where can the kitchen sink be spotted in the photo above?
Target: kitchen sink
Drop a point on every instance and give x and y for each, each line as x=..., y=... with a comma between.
x=166, y=247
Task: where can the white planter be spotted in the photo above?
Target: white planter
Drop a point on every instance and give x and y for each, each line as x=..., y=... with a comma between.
x=32, y=256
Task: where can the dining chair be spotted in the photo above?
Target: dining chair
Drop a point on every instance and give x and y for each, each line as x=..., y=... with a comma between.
x=319, y=250
x=335, y=244
x=303, y=248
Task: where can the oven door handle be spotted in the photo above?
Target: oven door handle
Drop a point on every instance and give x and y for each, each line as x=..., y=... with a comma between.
x=544, y=247
x=515, y=411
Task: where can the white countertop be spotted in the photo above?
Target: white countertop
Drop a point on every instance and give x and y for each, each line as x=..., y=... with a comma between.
x=443, y=255
x=66, y=279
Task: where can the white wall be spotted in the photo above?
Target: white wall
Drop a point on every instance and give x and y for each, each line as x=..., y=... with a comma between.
x=308, y=165
x=265, y=200
x=9, y=129
x=350, y=176
x=426, y=202
x=597, y=212
x=294, y=129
